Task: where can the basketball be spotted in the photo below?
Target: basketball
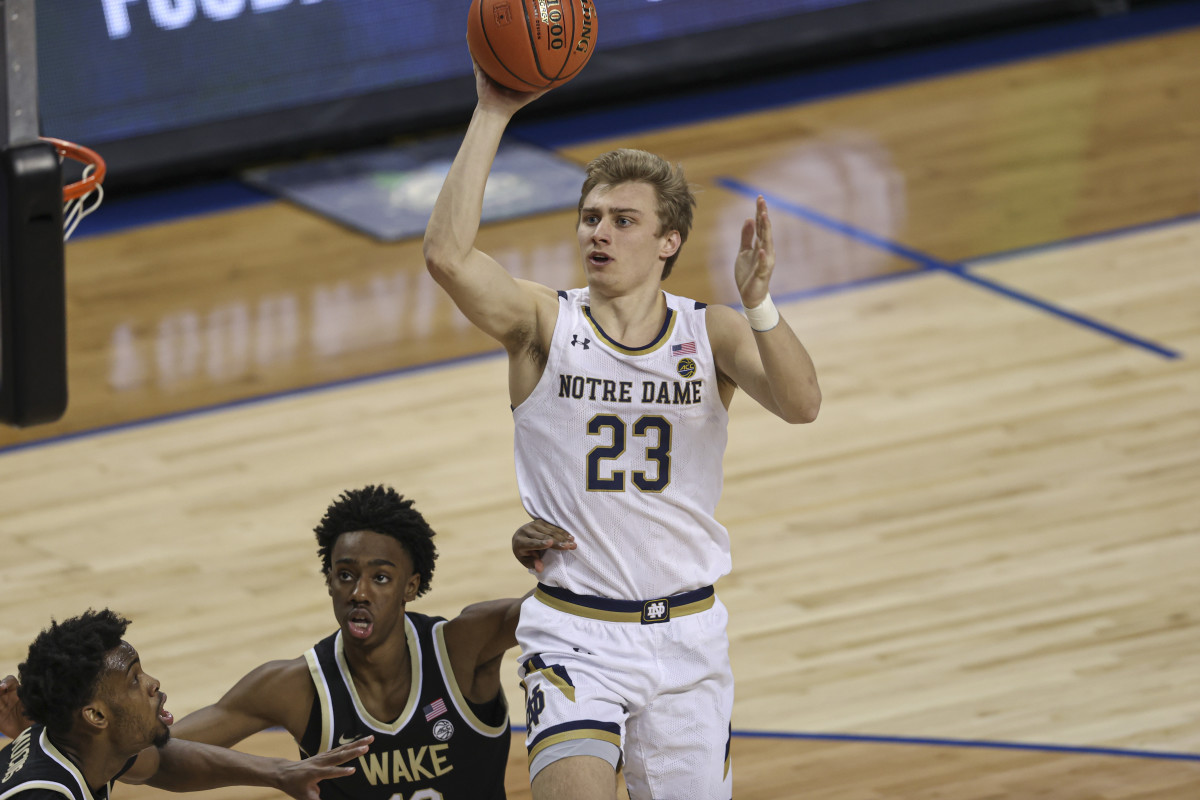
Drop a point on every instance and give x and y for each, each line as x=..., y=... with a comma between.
x=529, y=45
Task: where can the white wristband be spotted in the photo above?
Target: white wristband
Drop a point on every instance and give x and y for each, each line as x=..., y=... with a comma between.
x=764, y=316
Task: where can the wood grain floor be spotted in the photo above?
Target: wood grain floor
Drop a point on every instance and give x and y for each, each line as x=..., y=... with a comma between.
x=990, y=537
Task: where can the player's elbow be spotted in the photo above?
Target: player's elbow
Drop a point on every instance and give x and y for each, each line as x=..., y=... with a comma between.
x=438, y=259
x=803, y=411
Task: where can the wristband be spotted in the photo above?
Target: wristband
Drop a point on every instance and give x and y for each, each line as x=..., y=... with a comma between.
x=764, y=316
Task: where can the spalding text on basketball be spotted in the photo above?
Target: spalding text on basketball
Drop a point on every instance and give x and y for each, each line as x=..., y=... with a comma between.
x=585, y=35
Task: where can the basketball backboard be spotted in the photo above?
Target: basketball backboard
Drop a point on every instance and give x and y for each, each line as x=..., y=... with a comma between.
x=33, y=342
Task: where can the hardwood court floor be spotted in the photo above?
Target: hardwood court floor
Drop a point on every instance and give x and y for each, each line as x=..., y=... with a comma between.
x=990, y=535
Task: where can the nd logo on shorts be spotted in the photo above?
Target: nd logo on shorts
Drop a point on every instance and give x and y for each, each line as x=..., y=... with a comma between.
x=655, y=611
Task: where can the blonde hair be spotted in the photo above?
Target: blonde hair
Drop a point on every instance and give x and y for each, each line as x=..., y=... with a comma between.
x=674, y=195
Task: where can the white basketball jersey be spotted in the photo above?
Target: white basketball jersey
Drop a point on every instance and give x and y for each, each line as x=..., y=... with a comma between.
x=622, y=447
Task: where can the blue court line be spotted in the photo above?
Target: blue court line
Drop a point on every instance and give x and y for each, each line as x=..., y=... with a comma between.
x=870, y=72
x=1087, y=238
x=250, y=401
x=965, y=743
x=845, y=286
x=983, y=744
x=929, y=263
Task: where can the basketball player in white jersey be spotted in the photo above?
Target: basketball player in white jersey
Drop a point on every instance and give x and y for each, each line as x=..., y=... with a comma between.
x=620, y=394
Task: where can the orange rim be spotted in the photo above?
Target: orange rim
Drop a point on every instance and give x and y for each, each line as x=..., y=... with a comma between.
x=84, y=155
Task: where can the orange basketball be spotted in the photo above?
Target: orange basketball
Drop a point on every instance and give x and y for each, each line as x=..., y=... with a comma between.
x=528, y=45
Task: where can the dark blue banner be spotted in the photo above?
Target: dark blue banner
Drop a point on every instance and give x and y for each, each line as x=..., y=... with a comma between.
x=116, y=69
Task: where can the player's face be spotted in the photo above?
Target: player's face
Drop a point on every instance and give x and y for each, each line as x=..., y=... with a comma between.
x=135, y=703
x=370, y=580
x=619, y=236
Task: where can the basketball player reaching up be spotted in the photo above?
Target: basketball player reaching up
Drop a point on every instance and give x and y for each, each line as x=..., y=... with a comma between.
x=88, y=714
x=427, y=690
x=620, y=394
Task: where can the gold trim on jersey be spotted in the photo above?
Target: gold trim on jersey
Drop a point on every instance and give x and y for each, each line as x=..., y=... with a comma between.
x=49, y=749
x=49, y=786
x=664, y=335
x=566, y=736
x=620, y=616
x=324, y=697
x=549, y=674
x=442, y=653
x=414, y=691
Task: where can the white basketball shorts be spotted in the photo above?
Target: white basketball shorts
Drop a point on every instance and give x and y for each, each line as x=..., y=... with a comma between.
x=646, y=683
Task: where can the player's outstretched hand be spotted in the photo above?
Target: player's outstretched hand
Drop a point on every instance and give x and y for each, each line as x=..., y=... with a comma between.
x=533, y=538
x=300, y=778
x=493, y=95
x=756, y=258
x=12, y=713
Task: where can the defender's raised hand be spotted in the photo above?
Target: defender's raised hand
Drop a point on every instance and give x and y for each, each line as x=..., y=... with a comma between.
x=300, y=779
x=532, y=538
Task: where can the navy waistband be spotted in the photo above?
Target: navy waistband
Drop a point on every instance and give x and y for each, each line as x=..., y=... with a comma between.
x=647, y=612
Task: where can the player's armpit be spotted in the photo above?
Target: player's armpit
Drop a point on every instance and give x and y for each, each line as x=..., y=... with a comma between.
x=478, y=636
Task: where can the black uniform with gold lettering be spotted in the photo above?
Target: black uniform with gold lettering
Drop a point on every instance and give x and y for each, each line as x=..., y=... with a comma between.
x=32, y=768
x=441, y=747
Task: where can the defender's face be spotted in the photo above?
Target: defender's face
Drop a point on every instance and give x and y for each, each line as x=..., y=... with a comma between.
x=619, y=236
x=370, y=579
x=135, y=704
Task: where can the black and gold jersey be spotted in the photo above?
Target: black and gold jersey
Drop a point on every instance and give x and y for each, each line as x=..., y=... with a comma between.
x=32, y=768
x=441, y=747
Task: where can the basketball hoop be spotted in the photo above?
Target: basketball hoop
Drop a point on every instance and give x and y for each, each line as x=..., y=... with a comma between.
x=84, y=195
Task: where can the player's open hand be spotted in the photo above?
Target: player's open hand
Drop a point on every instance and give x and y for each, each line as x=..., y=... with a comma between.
x=12, y=712
x=300, y=778
x=533, y=538
x=493, y=95
x=756, y=258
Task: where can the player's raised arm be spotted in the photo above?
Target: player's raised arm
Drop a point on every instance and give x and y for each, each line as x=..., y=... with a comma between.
x=493, y=300
x=764, y=357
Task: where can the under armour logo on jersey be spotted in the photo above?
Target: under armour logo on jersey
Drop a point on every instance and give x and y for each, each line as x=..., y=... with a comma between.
x=655, y=611
x=576, y=340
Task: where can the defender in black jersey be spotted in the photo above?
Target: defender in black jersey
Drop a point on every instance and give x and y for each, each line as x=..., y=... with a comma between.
x=100, y=717
x=427, y=689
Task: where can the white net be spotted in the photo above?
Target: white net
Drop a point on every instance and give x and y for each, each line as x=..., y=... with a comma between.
x=76, y=209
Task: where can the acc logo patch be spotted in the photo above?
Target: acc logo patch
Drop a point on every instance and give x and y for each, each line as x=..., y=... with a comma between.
x=686, y=367
x=443, y=729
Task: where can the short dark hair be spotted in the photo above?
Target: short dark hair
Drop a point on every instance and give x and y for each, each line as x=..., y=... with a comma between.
x=62, y=672
x=381, y=510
